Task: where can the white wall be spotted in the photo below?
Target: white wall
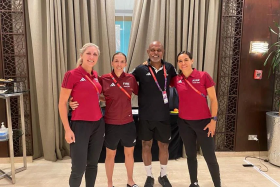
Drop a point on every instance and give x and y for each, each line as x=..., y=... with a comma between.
x=124, y=7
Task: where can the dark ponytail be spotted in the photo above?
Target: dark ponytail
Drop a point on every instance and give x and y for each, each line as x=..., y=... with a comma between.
x=117, y=54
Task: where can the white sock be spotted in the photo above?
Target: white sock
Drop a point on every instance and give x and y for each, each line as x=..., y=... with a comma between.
x=149, y=170
x=163, y=169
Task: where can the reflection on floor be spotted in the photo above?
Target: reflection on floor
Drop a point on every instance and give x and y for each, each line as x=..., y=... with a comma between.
x=42, y=173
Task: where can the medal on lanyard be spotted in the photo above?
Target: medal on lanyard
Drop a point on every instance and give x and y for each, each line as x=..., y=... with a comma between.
x=164, y=93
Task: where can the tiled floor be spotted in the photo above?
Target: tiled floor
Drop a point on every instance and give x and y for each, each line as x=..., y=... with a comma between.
x=43, y=173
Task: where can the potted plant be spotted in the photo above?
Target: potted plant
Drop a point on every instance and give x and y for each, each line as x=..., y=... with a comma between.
x=273, y=118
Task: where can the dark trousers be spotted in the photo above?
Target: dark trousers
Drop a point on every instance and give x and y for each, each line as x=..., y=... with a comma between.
x=191, y=131
x=85, y=152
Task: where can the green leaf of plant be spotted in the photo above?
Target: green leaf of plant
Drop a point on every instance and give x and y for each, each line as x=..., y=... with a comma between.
x=271, y=30
x=273, y=63
x=276, y=43
x=277, y=61
x=265, y=62
x=276, y=24
x=274, y=51
x=269, y=71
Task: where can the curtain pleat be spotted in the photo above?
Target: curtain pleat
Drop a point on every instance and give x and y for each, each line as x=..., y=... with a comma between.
x=62, y=27
x=190, y=25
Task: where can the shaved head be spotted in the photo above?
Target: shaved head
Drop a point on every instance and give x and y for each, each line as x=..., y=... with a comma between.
x=155, y=43
x=155, y=52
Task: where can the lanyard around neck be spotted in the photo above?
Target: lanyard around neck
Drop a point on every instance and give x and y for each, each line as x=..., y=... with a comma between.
x=165, y=79
x=124, y=91
x=93, y=85
x=194, y=88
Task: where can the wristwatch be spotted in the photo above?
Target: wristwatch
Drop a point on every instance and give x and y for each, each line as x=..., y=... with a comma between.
x=215, y=118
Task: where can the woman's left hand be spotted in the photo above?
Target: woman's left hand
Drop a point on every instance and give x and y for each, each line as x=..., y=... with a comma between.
x=211, y=128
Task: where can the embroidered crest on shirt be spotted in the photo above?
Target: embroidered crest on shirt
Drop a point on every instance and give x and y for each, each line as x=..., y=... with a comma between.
x=180, y=81
x=126, y=84
x=112, y=84
x=196, y=81
x=96, y=79
x=82, y=79
x=148, y=74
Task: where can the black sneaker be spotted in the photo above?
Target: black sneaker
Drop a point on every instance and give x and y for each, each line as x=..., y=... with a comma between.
x=164, y=181
x=149, y=182
x=194, y=185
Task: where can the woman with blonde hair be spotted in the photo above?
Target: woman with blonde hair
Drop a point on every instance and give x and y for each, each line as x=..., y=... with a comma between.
x=85, y=133
x=117, y=88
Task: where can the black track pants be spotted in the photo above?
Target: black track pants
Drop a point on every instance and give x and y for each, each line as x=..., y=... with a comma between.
x=191, y=131
x=85, y=152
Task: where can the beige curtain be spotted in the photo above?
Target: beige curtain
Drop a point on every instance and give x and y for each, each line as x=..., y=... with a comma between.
x=180, y=25
x=56, y=31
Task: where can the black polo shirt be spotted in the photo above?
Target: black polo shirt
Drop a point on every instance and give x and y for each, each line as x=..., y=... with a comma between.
x=150, y=100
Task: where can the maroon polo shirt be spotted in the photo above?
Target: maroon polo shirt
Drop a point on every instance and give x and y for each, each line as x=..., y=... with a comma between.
x=85, y=93
x=193, y=106
x=118, y=105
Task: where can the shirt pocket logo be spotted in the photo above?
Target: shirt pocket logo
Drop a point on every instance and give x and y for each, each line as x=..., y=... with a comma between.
x=126, y=84
x=196, y=81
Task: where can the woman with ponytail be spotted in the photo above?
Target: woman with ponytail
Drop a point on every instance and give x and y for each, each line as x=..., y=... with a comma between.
x=196, y=122
x=85, y=133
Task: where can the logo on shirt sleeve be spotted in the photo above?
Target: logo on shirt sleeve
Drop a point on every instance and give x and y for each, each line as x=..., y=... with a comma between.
x=82, y=79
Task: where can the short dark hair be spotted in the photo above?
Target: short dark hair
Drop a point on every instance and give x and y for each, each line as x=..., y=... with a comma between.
x=185, y=52
x=117, y=53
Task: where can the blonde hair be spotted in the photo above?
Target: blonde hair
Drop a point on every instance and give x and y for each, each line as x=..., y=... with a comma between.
x=83, y=49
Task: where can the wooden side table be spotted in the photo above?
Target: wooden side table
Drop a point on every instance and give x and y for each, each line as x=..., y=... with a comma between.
x=11, y=175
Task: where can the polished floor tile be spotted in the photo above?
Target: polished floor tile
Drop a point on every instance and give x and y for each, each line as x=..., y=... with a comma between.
x=42, y=173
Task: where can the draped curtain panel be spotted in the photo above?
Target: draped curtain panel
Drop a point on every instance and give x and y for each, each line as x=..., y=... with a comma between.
x=180, y=25
x=56, y=30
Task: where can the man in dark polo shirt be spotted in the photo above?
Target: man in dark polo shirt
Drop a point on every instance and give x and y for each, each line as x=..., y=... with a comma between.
x=154, y=113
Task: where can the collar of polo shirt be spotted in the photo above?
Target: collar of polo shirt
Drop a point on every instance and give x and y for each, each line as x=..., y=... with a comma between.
x=193, y=74
x=156, y=70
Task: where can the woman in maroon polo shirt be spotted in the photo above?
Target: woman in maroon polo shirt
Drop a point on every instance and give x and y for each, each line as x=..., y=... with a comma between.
x=196, y=122
x=85, y=134
x=117, y=88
